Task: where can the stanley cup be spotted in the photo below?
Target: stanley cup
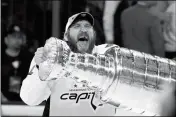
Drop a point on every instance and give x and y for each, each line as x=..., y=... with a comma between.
x=120, y=76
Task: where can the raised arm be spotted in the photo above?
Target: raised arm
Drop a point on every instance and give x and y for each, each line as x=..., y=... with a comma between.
x=33, y=90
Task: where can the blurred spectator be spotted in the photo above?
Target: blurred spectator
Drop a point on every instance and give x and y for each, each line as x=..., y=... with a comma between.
x=111, y=18
x=15, y=63
x=141, y=30
x=124, y=4
x=170, y=31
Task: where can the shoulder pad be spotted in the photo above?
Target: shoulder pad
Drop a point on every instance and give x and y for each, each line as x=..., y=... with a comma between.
x=101, y=49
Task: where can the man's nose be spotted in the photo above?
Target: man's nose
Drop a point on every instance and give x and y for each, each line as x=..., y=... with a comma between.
x=83, y=29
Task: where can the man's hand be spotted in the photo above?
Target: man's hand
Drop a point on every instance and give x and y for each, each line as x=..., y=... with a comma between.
x=55, y=52
x=40, y=55
x=47, y=56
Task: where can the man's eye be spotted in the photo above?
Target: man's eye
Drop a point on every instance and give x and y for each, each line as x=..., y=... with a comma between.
x=76, y=26
x=87, y=26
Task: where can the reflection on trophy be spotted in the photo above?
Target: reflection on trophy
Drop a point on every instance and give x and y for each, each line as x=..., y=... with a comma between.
x=120, y=76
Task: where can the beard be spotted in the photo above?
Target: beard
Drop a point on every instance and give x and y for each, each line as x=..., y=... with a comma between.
x=81, y=45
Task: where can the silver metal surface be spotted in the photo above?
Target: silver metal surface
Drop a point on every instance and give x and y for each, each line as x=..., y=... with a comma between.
x=120, y=76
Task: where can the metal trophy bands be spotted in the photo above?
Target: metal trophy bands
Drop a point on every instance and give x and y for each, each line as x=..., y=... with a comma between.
x=120, y=76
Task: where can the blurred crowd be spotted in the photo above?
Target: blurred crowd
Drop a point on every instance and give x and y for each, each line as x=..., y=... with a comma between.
x=146, y=26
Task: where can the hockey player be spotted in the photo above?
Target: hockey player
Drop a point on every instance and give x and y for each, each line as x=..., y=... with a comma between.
x=74, y=99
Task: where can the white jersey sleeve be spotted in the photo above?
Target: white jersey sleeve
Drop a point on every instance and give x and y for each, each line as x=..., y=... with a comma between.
x=33, y=90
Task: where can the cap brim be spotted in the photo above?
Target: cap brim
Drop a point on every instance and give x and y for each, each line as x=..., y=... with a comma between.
x=85, y=16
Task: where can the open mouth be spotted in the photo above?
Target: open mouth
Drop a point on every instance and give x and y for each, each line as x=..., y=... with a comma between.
x=82, y=43
x=83, y=38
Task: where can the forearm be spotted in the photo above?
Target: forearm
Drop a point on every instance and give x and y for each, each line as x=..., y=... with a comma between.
x=33, y=90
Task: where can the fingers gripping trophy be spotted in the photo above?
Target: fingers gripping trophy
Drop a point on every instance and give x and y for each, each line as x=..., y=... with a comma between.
x=121, y=76
x=54, y=51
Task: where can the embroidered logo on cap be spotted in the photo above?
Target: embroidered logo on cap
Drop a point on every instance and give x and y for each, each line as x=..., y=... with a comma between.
x=83, y=15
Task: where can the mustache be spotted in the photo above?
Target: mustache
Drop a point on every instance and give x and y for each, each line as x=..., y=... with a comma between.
x=83, y=35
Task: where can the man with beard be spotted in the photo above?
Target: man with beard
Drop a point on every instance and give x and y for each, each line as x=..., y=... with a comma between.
x=73, y=96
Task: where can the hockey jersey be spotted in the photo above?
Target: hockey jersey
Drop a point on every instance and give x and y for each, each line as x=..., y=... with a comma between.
x=71, y=98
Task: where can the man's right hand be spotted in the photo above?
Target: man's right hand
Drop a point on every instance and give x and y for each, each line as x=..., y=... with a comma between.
x=52, y=53
x=47, y=56
x=40, y=56
x=48, y=51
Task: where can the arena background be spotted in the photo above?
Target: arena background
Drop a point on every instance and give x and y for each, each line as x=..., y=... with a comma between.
x=40, y=20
